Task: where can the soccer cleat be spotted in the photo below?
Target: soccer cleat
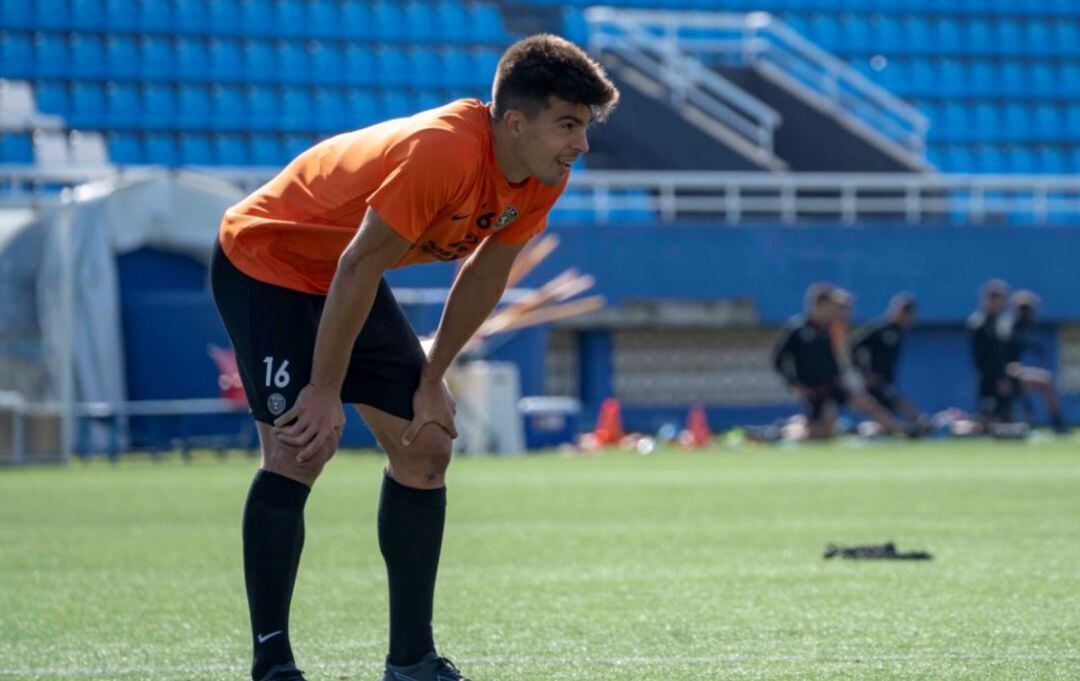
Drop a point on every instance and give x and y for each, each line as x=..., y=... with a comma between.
x=284, y=672
x=431, y=668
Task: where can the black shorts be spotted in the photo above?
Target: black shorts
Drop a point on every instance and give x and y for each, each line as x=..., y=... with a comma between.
x=823, y=395
x=273, y=332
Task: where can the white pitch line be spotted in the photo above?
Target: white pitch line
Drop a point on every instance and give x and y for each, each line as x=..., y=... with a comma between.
x=560, y=661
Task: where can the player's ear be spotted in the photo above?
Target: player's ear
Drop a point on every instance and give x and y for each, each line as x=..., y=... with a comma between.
x=514, y=120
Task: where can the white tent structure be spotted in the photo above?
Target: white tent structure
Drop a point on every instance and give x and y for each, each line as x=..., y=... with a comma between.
x=61, y=342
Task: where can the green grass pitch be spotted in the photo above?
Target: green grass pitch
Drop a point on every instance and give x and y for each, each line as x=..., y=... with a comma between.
x=669, y=566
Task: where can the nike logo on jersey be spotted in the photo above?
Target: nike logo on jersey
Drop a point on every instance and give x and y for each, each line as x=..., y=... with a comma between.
x=264, y=639
x=458, y=217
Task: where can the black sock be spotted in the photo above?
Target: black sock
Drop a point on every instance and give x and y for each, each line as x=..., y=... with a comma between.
x=273, y=539
x=410, y=537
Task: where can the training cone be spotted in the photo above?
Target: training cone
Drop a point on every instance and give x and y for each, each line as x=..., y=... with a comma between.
x=697, y=432
x=609, y=429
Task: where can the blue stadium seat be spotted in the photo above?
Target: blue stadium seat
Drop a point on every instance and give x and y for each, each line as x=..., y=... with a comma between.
x=983, y=79
x=293, y=145
x=291, y=18
x=359, y=65
x=1016, y=122
x=16, y=55
x=426, y=68
x=1066, y=38
x=1012, y=81
x=266, y=150
x=296, y=109
x=574, y=25
x=125, y=148
x=986, y=121
x=1037, y=39
x=158, y=106
x=160, y=148
x=991, y=159
x=920, y=36
x=192, y=59
x=325, y=19
x=923, y=78
x=262, y=108
x=157, y=61
x=1074, y=160
x=52, y=55
x=948, y=35
x=889, y=35
x=230, y=150
x=485, y=22
x=192, y=17
x=955, y=120
x=1051, y=160
x=1068, y=79
x=87, y=15
x=121, y=57
x=52, y=15
x=87, y=56
x=330, y=111
x=13, y=15
x=196, y=150
x=396, y=104
x=421, y=24
x=87, y=105
x=193, y=104
x=1022, y=159
x=485, y=60
x=223, y=17
x=392, y=67
x=327, y=63
x=361, y=109
x=121, y=16
x=356, y=22
x=457, y=67
x=453, y=21
x=226, y=65
x=157, y=17
x=1008, y=38
x=293, y=63
x=257, y=18
x=228, y=106
x=1049, y=124
x=953, y=78
x=260, y=61
x=16, y=148
x=825, y=31
x=388, y=21
x=123, y=104
x=1042, y=81
x=1072, y=122
x=978, y=38
x=52, y=97
x=858, y=34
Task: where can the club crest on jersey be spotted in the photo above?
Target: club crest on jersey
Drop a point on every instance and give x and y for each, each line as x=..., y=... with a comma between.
x=508, y=216
x=275, y=403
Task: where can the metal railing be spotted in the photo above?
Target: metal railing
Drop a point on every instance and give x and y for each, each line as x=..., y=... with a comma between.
x=731, y=197
x=761, y=39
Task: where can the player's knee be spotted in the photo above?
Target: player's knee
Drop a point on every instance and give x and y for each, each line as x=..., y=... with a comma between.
x=281, y=459
x=424, y=462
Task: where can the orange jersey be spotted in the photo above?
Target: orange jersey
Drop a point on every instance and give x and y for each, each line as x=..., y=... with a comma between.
x=432, y=177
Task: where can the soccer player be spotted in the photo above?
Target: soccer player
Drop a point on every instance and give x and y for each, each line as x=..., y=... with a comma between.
x=298, y=280
x=875, y=352
x=807, y=361
x=1017, y=330
x=990, y=356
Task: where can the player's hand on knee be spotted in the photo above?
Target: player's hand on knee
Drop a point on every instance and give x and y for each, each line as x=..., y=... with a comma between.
x=432, y=403
x=314, y=423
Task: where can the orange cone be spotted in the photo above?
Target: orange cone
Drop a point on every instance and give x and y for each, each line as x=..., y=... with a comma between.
x=609, y=429
x=697, y=433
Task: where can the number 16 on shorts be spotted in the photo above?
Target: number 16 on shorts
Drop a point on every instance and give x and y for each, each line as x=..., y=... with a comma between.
x=276, y=379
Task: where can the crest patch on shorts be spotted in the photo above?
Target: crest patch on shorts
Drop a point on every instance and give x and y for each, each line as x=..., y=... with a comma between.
x=275, y=403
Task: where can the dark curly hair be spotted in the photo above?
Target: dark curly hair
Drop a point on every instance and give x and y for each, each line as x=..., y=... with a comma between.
x=539, y=67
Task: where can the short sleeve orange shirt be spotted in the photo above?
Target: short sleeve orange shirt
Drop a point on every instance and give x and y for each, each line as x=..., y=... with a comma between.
x=432, y=177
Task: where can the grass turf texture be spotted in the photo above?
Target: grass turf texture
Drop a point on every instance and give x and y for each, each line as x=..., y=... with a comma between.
x=671, y=566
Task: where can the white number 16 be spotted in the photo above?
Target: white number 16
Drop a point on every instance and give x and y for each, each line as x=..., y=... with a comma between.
x=279, y=379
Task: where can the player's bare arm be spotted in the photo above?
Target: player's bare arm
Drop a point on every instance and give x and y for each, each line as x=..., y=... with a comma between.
x=315, y=422
x=476, y=290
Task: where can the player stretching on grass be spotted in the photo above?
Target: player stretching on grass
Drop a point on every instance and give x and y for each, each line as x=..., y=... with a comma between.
x=297, y=278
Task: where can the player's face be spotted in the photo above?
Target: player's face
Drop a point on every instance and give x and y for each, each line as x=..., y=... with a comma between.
x=554, y=139
x=995, y=303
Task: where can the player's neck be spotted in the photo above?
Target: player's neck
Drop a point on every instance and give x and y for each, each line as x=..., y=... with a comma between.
x=509, y=164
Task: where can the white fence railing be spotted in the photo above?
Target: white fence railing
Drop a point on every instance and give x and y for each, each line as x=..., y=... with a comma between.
x=730, y=197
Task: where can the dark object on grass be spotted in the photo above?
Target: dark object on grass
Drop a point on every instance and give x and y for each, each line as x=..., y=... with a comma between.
x=873, y=552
